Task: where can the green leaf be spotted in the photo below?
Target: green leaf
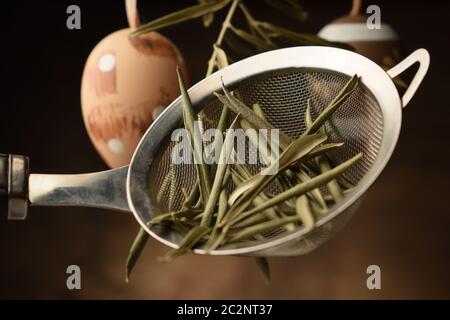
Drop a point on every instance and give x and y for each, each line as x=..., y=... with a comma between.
x=208, y=19
x=250, y=189
x=193, y=197
x=304, y=212
x=218, y=179
x=261, y=228
x=183, y=15
x=308, y=117
x=259, y=111
x=189, y=241
x=248, y=114
x=315, y=193
x=323, y=149
x=263, y=267
x=221, y=126
x=223, y=203
x=333, y=185
x=307, y=186
x=301, y=175
x=184, y=212
x=222, y=209
x=192, y=127
x=221, y=57
x=135, y=251
x=293, y=153
x=342, y=96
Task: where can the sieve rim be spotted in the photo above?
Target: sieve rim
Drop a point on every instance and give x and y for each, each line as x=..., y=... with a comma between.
x=375, y=79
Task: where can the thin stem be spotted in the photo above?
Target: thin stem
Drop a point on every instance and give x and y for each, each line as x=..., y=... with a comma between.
x=254, y=24
x=225, y=25
x=132, y=14
x=356, y=8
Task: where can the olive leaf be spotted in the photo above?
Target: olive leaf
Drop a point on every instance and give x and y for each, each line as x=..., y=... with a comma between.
x=330, y=198
x=259, y=111
x=333, y=186
x=253, y=180
x=238, y=106
x=270, y=213
x=185, y=212
x=221, y=57
x=221, y=126
x=308, y=116
x=223, y=203
x=222, y=209
x=301, y=176
x=218, y=179
x=207, y=19
x=323, y=164
x=183, y=15
x=292, y=154
x=263, y=267
x=188, y=242
x=304, y=212
x=315, y=193
x=135, y=251
x=196, y=143
x=307, y=186
x=193, y=197
x=323, y=149
x=261, y=228
x=341, y=97
x=296, y=151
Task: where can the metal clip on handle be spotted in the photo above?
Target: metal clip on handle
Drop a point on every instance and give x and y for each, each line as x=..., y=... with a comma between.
x=14, y=172
x=420, y=56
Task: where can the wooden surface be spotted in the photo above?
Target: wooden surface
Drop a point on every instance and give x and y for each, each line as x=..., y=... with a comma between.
x=403, y=225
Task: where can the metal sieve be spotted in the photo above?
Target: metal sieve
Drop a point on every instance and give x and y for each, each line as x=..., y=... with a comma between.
x=281, y=81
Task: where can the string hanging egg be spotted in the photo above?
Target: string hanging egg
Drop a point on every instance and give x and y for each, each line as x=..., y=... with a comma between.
x=127, y=81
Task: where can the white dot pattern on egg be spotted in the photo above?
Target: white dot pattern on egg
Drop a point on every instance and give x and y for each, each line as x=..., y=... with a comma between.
x=116, y=146
x=107, y=62
x=157, y=111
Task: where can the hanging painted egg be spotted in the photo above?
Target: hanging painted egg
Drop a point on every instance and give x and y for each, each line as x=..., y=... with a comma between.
x=379, y=45
x=127, y=82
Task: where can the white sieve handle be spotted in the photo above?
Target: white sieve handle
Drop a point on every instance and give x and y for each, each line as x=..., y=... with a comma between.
x=423, y=58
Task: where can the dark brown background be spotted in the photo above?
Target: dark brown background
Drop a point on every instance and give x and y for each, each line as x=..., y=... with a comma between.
x=403, y=225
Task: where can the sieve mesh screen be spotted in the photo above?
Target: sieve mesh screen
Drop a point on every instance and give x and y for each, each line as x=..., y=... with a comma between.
x=283, y=97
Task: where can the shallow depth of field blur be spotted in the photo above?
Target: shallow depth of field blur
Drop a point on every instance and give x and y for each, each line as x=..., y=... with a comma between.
x=403, y=225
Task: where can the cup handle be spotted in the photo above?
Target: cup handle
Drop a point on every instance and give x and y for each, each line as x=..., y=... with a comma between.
x=105, y=189
x=423, y=58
